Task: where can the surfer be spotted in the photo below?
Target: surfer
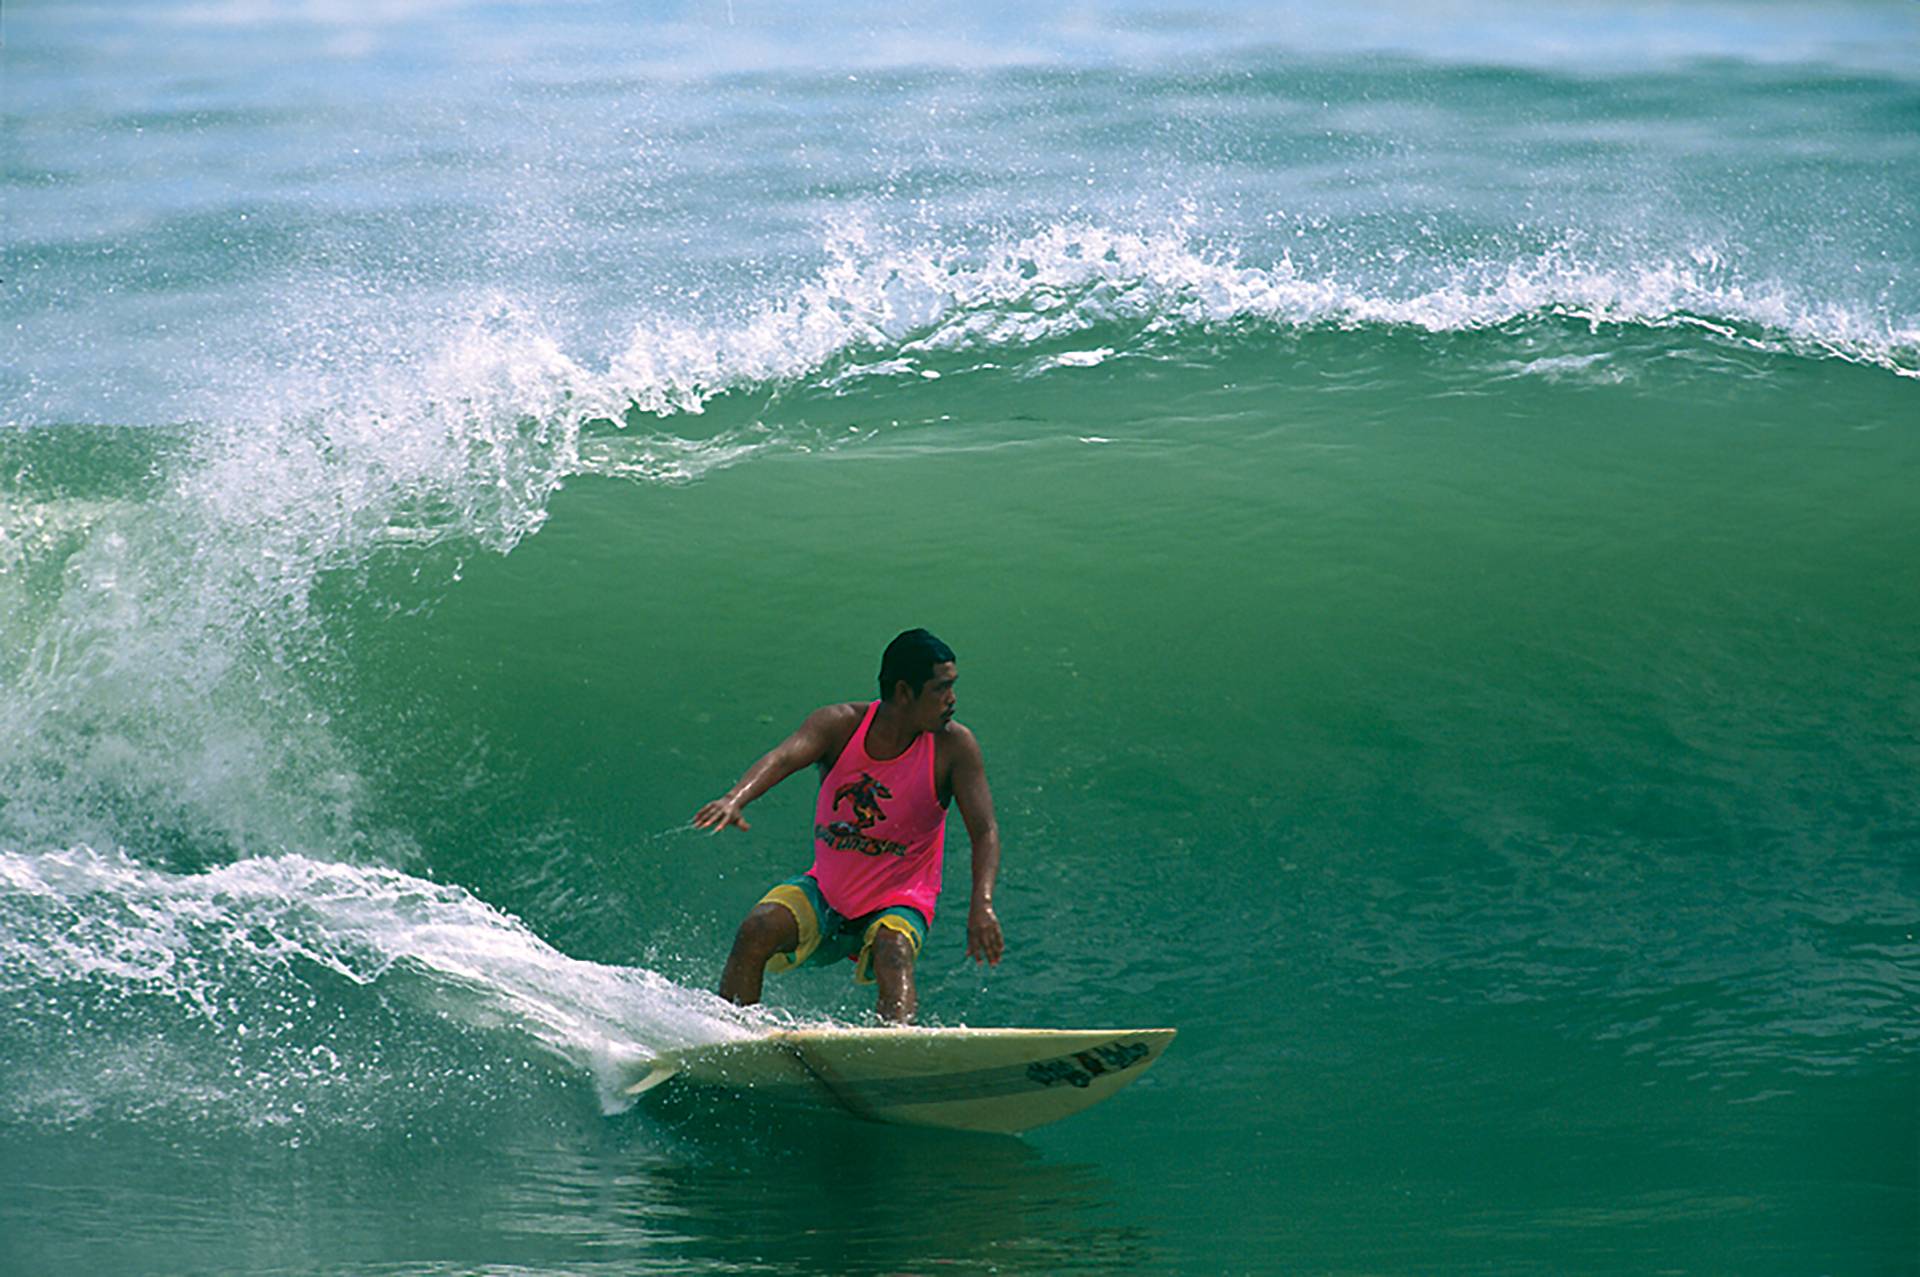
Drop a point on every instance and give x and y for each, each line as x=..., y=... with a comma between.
x=889, y=770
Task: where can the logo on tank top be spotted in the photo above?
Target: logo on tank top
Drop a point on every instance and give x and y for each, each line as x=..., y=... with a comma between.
x=863, y=796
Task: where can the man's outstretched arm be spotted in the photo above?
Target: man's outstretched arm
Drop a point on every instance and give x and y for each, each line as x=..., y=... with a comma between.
x=984, y=940
x=819, y=736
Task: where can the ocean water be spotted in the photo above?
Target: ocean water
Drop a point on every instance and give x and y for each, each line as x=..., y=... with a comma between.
x=1426, y=500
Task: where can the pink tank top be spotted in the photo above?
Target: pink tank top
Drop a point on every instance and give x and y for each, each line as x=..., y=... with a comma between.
x=878, y=828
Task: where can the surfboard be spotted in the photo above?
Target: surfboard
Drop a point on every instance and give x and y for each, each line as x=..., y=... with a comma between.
x=1004, y=1080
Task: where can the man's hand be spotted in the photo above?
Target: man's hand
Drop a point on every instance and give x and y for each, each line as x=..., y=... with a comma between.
x=822, y=736
x=720, y=813
x=984, y=941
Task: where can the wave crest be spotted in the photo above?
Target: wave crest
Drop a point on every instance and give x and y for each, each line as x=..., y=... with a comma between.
x=887, y=305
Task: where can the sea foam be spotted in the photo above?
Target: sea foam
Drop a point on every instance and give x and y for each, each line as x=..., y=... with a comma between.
x=269, y=975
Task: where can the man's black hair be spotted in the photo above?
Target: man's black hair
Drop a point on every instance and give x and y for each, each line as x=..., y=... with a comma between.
x=910, y=659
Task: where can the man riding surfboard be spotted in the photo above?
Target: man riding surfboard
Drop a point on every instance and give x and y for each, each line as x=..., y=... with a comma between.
x=889, y=769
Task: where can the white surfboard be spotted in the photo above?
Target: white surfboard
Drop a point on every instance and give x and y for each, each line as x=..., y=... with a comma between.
x=966, y=1079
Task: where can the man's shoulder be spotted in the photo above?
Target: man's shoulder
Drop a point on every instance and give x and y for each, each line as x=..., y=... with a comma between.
x=958, y=741
x=828, y=729
x=838, y=720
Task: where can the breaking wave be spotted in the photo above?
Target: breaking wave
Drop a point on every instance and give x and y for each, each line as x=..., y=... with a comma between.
x=162, y=646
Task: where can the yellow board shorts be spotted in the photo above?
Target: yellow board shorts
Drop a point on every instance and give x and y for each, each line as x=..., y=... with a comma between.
x=828, y=935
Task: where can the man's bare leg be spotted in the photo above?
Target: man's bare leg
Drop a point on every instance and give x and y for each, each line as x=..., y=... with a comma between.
x=893, y=972
x=768, y=930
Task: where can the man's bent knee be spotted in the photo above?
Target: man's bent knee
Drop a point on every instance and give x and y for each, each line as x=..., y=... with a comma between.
x=769, y=929
x=892, y=952
x=893, y=956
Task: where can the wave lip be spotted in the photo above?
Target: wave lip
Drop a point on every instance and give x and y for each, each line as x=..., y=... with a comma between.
x=885, y=307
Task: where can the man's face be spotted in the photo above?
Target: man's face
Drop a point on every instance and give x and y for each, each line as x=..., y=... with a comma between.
x=932, y=709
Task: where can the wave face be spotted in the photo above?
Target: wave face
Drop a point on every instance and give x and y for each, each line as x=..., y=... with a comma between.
x=1423, y=501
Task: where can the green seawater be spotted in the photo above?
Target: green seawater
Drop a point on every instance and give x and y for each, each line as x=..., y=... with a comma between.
x=1428, y=520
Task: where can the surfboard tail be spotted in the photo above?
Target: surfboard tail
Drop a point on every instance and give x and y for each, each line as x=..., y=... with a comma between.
x=658, y=1071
